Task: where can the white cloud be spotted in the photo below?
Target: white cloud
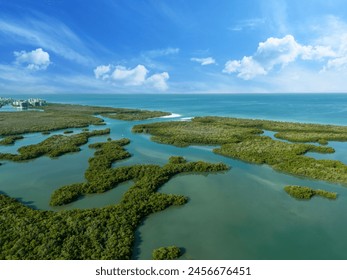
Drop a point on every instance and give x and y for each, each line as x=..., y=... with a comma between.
x=35, y=60
x=247, y=68
x=285, y=50
x=276, y=52
x=101, y=72
x=132, y=77
x=158, y=81
x=204, y=61
x=317, y=52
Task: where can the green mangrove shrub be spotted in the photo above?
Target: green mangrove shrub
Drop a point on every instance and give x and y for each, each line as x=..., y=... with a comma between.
x=300, y=192
x=166, y=253
x=10, y=140
x=98, y=233
x=54, y=146
x=242, y=139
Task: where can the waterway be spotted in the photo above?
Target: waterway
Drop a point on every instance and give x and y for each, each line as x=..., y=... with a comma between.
x=240, y=214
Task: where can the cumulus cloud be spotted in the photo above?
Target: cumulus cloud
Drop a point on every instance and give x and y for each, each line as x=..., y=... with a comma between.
x=247, y=68
x=130, y=77
x=279, y=51
x=101, y=72
x=137, y=76
x=204, y=61
x=158, y=81
x=276, y=52
x=35, y=60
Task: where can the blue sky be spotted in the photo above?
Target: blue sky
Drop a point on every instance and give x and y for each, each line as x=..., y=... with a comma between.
x=165, y=46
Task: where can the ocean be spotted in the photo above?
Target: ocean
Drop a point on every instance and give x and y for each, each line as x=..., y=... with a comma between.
x=314, y=108
x=240, y=214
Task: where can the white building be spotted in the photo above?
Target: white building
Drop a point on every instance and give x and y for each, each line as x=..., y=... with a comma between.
x=36, y=102
x=27, y=103
x=20, y=103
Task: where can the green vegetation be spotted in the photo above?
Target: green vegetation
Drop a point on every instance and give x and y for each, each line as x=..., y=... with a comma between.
x=287, y=157
x=319, y=137
x=68, y=131
x=101, y=177
x=166, y=253
x=99, y=174
x=242, y=139
x=9, y=140
x=198, y=131
x=53, y=146
x=108, y=232
x=64, y=116
x=326, y=194
x=135, y=114
x=103, y=233
x=307, y=193
x=235, y=128
x=300, y=192
x=53, y=117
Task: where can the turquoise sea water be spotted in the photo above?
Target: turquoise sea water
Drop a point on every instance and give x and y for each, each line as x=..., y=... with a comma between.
x=318, y=108
x=240, y=214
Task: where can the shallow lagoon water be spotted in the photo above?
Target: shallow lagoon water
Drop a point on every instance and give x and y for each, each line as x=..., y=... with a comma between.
x=245, y=214
x=240, y=214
